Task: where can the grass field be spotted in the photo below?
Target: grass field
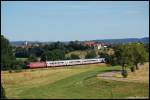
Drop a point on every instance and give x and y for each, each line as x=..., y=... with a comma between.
x=76, y=82
x=22, y=59
x=81, y=54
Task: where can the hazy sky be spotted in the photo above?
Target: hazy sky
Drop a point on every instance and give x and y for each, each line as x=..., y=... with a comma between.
x=74, y=20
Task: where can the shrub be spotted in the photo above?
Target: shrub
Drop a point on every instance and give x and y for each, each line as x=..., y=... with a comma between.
x=18, y=68
x=17, y=71
x=91, y=54
x=10, y=71
x=74, y=56
x=67, y=58
x=2, y=93
x=124, y=73
x=132, y=69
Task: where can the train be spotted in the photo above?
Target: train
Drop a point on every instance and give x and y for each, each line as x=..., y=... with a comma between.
x=45, y=64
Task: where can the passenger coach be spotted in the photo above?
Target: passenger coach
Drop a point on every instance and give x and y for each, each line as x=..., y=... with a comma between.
x=65, y=63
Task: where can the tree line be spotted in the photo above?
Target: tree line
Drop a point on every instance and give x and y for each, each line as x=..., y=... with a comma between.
x=130, y=54
x=38, y=51
x=53, y=51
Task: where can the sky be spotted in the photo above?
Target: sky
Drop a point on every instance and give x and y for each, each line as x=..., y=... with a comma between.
x=74, y=20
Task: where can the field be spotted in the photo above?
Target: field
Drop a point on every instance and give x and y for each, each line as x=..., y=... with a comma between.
x=22, y=59
x=141, y=75
x=76, y=82
x=81, y=54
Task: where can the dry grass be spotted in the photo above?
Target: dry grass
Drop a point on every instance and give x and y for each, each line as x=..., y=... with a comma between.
x=38, y=77
x=141, y=75
x=81, y=54
x=29, y=77
x=72, y=82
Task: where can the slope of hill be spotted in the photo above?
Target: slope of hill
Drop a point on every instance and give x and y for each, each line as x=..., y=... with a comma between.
x=73, y=82
x=125, y=40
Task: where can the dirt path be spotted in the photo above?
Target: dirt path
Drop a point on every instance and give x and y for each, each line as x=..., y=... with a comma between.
x=141, y=75
x=113, y=75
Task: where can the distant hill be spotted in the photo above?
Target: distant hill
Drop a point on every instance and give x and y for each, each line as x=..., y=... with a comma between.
x=19, y=43
x=125, y=40
x=112, y=41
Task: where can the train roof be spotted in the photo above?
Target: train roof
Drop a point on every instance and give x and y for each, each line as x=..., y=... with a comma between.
x=75, y=60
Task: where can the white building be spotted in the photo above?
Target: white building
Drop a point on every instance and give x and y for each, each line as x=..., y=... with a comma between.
x=26, y=43
x=97, y=46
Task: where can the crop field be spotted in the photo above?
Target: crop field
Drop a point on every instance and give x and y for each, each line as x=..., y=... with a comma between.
x=72, y=82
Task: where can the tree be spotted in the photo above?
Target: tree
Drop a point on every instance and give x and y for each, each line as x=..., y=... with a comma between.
x=7, y=57
x=18, y=65
x=32, y=58
x=58, y=54
x=37, y=51
x=110, y=59
x=139, y=54
x=75, y=45
x=91, y=54
x=2, y=93
x=53, y=55
x=47, y=55
x=147, y=47
x=74, y=56
x=123, y=56
x=130, y=55
x=21, y=52
x=104, y=55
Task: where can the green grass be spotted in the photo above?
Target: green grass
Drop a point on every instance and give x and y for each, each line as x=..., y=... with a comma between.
x=22, y=59
x=72, y=83
x=80, y=53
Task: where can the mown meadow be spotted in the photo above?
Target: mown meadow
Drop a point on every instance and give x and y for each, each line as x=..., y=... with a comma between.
x=72, y=82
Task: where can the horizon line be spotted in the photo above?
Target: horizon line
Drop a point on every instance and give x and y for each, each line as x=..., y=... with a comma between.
x=80, y=40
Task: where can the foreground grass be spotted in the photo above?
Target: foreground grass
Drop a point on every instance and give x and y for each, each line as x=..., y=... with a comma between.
x=70, y=83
